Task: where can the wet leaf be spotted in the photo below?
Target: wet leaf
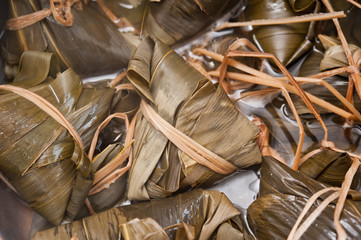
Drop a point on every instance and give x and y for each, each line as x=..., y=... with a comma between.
x=284, y=194
x=92, y=35
x=171, y=21
x=288, y=41
x=115, y=193
x=145, y=228
x=202, y=210
x=30, y=38
x=329, y=167
x=309, y=67
x=38, y=156
x=335, y=57
x=301, y=5
x=187, y=100
x=349, y=24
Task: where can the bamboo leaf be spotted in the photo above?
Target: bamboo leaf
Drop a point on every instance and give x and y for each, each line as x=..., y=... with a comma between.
x=39, y=157
x=115, y=193
x=301, y=5
x=335, y=57
x=226, y=231
x=187, y=100
x=203, y=210
x=329, y=167
x=146, y=228
x=170, y=21
x=284, y=194
x=92, y=34
x=309, y=68
x=30, y=72
x=173, y=22
x=30, y=38
x=287, y=42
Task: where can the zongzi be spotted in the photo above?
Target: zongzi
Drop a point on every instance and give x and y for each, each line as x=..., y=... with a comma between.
x=199, y=212
x=182, y=97
x=172, y=21
x=283, y=195
x=91, y=46
x=45, y=164
x=287, y=42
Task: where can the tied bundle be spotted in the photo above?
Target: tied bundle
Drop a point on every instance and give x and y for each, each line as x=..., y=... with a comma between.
x=188, y=131
x=193, y=215
x=284, y=194
x=46, y=165
x=85, y=46
x=169, y=21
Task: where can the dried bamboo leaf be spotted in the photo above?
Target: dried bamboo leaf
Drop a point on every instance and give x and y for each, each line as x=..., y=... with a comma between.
x=50, y=171
x=203, y=210
x=309, y=68
x=186, y=99
x=341, y=5
x=185, y=231
x=80, y=118
x=139, y=71
x=287, y=42
x=328, y=41
x=284, y=194
x=193, y=120
x=274, y=207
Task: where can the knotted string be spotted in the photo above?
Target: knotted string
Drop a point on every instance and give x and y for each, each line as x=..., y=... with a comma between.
x=61, y=10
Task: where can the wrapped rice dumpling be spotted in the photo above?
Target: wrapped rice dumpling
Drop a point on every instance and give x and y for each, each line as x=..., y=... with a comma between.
x=324, y=57
x=329, y=167
x=91, y=46
x=300, y=5
x=187, y=100
x=114, y=140
x=173, y=21
x=44, y=163
x=284, y=193
x=334, y=56
x=116, y=192
x=192, y=215
x=287, y=42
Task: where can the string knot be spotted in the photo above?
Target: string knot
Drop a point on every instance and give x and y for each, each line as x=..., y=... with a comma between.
x=61, y=10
